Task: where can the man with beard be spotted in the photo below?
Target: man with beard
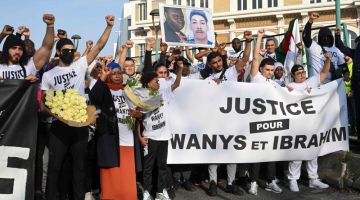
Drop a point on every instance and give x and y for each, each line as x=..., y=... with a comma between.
x=173, y=24
x=354, y=54
x=317, y=51
x=236, y=53
x=65, y=140
x=220, y=74
x=15, y=62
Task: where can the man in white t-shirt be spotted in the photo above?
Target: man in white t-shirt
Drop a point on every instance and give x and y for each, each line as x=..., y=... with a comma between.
x=14, y=61
x=64, y=139
x=317, y=50
x=221, y=73
x=264, y=76
x=301, y=83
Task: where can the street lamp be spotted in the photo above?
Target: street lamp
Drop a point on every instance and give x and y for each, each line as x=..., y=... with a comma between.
x=155, y=13
x=76, y=39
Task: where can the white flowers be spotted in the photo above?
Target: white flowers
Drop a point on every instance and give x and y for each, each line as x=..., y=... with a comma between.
x=68, y=105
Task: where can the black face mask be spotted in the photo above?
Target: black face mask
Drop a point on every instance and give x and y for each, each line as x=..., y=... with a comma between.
x=67, y=57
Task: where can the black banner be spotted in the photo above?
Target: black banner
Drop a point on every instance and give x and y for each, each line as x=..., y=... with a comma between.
x=18, y=133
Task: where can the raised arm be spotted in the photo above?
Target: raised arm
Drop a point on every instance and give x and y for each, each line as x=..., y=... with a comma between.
x=123, y=54
x=42, y=55
x=324, y=72
x=89, y=45
x=240, y=64
x=7, y=30
x=307, y=30
x=256, y=62
x=102, y=41
x=150, y=44
x=340, y=45
x=199, y=56
x=176, y=84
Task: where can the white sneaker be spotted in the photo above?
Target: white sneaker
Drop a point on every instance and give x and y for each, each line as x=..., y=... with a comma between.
x=316, y=183
x=162, y=196
x=146, y=195
x=293, y=186
x=273, y=187
x=253, y=188
x=89, y=196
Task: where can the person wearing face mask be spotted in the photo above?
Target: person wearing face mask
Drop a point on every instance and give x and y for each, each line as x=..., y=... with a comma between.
x=318, y=49
x=65, y=140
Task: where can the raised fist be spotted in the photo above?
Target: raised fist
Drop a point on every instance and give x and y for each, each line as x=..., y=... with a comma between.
x=150, y=42
x=49, y=19
x=338, y=31
x=313, y=16
x=21, y=30
x=110, y=20
x=129, y=44
x=261, y=33
x=7, y=30
x=248, y=35
x=61, y=34
x=89, y=44
x=26, y=33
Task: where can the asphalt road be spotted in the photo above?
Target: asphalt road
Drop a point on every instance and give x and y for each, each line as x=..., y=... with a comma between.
x=305, y=193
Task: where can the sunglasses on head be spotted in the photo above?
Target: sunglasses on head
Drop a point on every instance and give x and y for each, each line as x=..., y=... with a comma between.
x=68, y=50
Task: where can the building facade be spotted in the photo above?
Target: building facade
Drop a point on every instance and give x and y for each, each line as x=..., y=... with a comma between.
x=233, y=17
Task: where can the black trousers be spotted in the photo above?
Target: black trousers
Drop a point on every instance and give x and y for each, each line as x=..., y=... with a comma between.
x=67, y=141
x=157, y=151
x=42, y=141
x=255, y=171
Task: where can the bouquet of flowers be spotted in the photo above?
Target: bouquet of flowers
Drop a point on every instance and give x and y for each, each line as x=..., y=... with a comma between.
x=69, y=107
x=141, y=98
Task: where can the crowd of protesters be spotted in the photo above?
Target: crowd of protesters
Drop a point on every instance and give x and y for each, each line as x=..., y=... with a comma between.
x=119, y=162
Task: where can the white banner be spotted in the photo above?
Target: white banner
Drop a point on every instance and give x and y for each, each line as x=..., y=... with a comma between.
x=246, y=122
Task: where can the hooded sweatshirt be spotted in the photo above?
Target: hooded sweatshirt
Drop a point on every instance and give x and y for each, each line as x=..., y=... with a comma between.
x=317, y=50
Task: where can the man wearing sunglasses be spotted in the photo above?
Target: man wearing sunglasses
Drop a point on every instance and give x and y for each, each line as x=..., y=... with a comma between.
x=63, y=139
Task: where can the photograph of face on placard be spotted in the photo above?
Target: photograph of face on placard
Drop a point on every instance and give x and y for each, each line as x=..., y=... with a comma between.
x=186, y=26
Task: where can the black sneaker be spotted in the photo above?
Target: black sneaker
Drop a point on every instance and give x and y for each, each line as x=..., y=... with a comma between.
x=171, y=192
x=234, y=190
x=212, y=189
x=188, y=186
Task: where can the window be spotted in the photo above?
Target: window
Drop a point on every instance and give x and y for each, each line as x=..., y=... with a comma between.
x=190, y=3
x=204, y=3
x=272, y=3
x=141, y=52
x=315, y=1
x=143, y=12
x=242, y=4
x=177, y=2
x=257, y=4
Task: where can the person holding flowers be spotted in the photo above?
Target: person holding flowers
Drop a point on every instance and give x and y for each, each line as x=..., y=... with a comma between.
x=157, y=133
x=115, y=138
x=65, y=140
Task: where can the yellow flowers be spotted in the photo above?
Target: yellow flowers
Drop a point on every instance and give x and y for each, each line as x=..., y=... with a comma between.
x=68, y=105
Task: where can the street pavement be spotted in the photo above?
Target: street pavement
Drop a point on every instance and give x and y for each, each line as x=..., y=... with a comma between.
x=305, y=193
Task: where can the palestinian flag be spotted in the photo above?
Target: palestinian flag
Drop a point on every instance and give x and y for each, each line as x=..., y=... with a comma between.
x=287, y=52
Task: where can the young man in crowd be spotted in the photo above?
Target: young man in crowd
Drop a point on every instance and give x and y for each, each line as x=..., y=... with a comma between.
x=227, y=74
x=318, y=49
x=63, y=138
x=301, y=83
x=262, y=73
x=15, y=62
x=270, y=47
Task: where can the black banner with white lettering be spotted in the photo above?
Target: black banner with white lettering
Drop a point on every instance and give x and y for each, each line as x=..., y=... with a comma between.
x=18, y=133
